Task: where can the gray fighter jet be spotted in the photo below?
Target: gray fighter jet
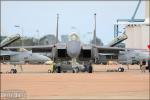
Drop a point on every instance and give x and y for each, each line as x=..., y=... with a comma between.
x=19, y=57
x=130, y=56
x=74, y=51
x=133, y=56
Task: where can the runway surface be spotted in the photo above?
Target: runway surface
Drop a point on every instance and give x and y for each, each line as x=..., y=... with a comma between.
x=131, y=84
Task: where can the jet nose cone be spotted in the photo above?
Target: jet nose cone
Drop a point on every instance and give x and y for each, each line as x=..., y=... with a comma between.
x=46, y=58
x=73, y=48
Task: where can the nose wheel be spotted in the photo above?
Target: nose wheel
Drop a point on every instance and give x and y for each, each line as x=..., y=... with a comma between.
x=49, y=71
x=14, y=71
x=90, y=69
x=75, y=70
x=58, y=69
x=120, y=69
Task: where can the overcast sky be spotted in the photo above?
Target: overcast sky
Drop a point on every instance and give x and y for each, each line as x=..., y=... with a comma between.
x=75, y=16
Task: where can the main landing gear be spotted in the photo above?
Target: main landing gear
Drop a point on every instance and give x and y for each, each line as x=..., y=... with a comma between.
x=120, y=69
x=58, y=69
x=88, y=69
x=76, y=70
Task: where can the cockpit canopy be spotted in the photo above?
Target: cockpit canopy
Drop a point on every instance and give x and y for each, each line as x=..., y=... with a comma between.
x=73, y=36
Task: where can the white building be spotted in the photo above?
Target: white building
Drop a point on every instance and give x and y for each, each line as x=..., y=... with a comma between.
x=138, y=33
x=138, y=36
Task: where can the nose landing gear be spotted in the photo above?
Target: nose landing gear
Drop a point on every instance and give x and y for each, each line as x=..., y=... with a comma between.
x=120, y=69
x=76, y=70
x=90, y=69
x=14, y=71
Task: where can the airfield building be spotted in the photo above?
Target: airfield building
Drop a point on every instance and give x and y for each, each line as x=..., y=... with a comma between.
x=138, y=33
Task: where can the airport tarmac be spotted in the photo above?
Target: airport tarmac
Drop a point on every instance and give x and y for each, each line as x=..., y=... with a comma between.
x=38, y=84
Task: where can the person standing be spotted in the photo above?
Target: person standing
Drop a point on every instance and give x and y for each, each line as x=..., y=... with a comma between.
x=149, y=65
x=143, y=65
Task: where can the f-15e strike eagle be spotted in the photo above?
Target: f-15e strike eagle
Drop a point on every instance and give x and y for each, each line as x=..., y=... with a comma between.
x=74, y=50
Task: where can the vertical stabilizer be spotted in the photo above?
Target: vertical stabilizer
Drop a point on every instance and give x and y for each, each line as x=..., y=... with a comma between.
x=57, y=28
x=94, y=35
x=117, y=40
x=9, y=40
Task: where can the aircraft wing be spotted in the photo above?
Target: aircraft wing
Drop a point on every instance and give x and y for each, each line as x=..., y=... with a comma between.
x=4, y=53
x=105, y=54
x=35, y=49
x=102, y=49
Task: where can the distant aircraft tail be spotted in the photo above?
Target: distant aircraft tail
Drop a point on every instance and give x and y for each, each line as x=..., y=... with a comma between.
x=94, y=35
x=57, y=29
x=117, y=40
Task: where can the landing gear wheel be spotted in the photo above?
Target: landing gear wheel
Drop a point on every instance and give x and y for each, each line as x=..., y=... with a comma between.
x=13, y=71
x=120, y=69
x=85, y=68
x=76, y=70
x=90, y=69
x=49, y=71
x=58, y=69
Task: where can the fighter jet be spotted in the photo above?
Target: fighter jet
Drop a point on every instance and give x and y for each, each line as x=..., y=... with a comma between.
x=130, y=56
x=133, y=56
x=74, y=51
x=19, y=57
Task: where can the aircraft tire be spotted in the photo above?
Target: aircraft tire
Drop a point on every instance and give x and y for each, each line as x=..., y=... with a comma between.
x=49, y=71
x=85, y=68
x=90, y=69
x=76, y=70
x=58, y=69
x=73, y=71
x=122, y=69
x=13, y=71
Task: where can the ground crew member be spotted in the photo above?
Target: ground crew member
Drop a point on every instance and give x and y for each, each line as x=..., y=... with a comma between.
x=149, y=65
x=51, y=67
x=143, y=66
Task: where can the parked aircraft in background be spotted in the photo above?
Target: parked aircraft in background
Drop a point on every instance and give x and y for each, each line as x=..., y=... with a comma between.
x=130, y=56
x=19, y=57
x=133, y=56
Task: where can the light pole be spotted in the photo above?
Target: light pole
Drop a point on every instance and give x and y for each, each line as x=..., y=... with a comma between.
x=94, y=36
x=38, y=36
x=17, y=26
